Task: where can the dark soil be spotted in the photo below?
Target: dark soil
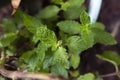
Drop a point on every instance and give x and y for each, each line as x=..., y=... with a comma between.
x=110, y=16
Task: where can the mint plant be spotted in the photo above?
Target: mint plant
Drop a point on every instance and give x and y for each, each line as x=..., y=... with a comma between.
x=54, y=45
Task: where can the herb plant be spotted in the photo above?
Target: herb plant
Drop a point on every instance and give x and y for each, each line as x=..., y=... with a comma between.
x=51, y=43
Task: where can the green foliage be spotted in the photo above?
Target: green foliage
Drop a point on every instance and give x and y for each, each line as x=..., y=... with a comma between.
x=88, y=76
x=31, y=23
x=49, y=12
x=59, y=70
x=72, y=13
x=69, y=26
x=51, y=41
x=74, y=73
x=71, y=8
x=27, y=55
x=75, y=3
x=9, y=23
x=84, y=18
x=41, y=51
x=87, y=36
x=75, y=60
x=72, y=4
x=7, y=39
x=103, y=37
x=111, y=55
x=61, y=57
x=76, y=44
x=45, y=36
x=59, y=2
x=97, y=25
x=65, y=6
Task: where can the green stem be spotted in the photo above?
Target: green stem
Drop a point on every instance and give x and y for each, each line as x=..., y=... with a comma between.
x=112, y=62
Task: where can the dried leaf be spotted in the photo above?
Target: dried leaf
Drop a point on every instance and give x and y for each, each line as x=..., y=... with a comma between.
x=15, y=4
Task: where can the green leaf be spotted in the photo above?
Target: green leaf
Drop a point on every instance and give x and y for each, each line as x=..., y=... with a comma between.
x=88, y=76
x=59, y=70
x=84, y=18
x=49, y=12
x=63, y=36
x=65, y=6
x=76, y=44
x=74, y=73
x=9, y=53
x=72, y=12
x=31, y=59
x=33, y=62
x=75, y=60
x=103, y=37
x=59, y=2
x=112, y=56
x=97, y=25
x=9, y=25
x=45, y=36
x=47, y=62
x=7, y=39
x=76, y=3
x=54, y=47
x=41, y=51
x=26, y=56
x=72, y=8
x=35, y=58
x=71, y=4
x=31, y=23
x=68, y=26
x=110, y=61
x=87, y=36
x=61, y=57
x=99, y=78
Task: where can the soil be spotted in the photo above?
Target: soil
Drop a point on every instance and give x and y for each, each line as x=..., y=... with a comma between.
x=110, y=16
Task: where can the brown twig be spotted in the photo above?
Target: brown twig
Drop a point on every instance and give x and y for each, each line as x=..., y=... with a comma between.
x=20, y=75
x=110, y=74
x=115, y=28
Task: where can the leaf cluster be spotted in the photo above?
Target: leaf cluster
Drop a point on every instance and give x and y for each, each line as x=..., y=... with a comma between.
x=54, y=45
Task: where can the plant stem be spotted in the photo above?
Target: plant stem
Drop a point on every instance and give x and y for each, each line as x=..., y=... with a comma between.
x=21, y=75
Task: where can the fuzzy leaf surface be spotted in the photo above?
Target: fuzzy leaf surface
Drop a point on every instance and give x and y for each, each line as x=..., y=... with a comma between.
x=112, y=56
x=59, y=70
x=74, y=3
x=69, y=26
x=75, y=60
x=7, y=39
x=45, y=36
x=41, y=51
x=103, y=37
x=49, y=12
x=59, y=2
x=88, y=76
x=87, y=36
x=84, y=18
x=31, y=23
x=97, y=25
x=76, y=44
x=61, y=57
x=9, y=25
